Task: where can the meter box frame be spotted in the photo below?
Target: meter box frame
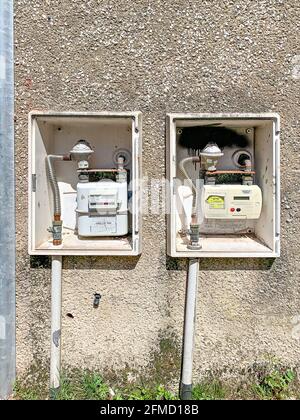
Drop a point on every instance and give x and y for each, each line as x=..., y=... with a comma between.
x=53, y=132
x=264, y=240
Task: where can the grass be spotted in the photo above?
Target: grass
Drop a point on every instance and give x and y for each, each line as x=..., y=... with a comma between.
x=86, y=385
x=211, y=391
x=273, y=384
x=276, y=385
x=143, y=393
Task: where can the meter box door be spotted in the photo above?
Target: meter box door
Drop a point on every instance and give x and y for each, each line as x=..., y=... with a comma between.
x=101, y=213
x=238, y=201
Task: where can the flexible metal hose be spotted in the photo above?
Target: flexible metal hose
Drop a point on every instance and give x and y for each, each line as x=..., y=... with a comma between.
x=53, y=182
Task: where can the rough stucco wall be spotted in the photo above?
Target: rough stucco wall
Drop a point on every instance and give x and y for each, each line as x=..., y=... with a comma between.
x=157, y=57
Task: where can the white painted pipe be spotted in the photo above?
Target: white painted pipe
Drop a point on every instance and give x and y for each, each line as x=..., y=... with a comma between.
x=56, y=294
x=189, y=330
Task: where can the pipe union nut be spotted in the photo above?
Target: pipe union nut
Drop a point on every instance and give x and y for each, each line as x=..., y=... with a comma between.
x=57, y=230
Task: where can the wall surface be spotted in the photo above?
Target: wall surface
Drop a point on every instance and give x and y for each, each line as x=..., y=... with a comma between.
x=161, y=56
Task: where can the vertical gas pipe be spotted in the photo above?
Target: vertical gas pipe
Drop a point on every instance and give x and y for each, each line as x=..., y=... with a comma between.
x=56, y=294
x=186, y=384
x=81, y=153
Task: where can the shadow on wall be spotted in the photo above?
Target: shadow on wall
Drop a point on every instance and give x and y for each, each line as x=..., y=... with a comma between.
x=88, y=263
x=222, y=264
x=172, y=264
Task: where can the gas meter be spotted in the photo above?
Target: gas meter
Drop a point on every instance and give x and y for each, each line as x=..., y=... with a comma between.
x=231, y=201
x=101, y=203
x=102, y=208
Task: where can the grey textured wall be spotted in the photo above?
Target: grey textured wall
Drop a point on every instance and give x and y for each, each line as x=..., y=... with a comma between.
x=157, y=57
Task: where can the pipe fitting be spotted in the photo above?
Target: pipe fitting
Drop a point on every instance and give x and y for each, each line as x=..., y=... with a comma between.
x=242, y=159
x=56, y=231
x=186, y=392
x=194, y=237
x=247, y=165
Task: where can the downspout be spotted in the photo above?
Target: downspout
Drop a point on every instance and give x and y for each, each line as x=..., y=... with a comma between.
x=186, y=385
x=7, y=204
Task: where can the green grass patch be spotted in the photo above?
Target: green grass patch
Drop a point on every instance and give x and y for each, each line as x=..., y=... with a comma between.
x=276, y=385
x=86, y=385
x=211, y=391
x=272, y=383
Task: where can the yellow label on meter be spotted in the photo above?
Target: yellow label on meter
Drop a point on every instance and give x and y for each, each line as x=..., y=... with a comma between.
x=216, y=202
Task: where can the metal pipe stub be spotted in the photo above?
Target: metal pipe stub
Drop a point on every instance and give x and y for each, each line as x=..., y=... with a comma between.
x=186, y=392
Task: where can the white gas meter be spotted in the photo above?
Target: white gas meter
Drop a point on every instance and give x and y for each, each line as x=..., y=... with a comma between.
x=231, y=201
x=102, y=208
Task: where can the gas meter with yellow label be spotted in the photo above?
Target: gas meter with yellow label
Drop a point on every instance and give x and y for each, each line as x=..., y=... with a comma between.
x=231, y=201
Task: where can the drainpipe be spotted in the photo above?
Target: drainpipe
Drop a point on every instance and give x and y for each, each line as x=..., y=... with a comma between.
x=7, y=204
x=56, y=294
x=189, y=330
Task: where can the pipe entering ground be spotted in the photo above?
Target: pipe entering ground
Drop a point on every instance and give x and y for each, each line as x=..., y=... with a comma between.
x=55, y=353
x=186, y=384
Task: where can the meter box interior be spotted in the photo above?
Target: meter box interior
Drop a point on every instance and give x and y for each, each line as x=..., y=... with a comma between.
x=224, y=177
x=84, y=183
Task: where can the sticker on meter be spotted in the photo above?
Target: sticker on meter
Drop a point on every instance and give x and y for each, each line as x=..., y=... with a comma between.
x=216, y=202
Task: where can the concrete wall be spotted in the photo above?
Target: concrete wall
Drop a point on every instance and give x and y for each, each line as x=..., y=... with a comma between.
x=156, y=57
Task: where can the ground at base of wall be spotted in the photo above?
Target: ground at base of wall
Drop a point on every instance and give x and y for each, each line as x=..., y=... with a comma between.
x=276, y=383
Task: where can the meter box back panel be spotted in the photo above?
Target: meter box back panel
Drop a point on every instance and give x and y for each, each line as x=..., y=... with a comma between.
x=224, y=177
x=84, y=183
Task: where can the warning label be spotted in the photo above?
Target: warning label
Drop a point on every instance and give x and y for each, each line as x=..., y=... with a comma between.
x=216, y=202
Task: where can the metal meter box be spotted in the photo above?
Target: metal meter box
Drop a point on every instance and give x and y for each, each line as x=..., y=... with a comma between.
x=99, y=216
x=236, y=218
